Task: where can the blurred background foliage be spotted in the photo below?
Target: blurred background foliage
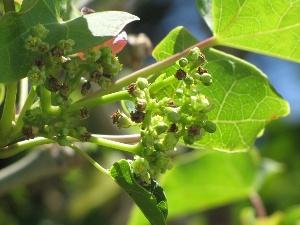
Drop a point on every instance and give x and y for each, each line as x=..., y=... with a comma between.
x=76, y=193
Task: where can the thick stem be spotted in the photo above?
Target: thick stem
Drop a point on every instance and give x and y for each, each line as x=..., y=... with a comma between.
x=19, y=124
x=16, y=148
x=156, y=86
x=101, y=100
x=45, y=102
x=115, y=145
x=258, y=205
x=149, y=70
x=23, y=93
x=8, y=112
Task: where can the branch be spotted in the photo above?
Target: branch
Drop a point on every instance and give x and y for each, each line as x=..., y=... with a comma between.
x=258, y=205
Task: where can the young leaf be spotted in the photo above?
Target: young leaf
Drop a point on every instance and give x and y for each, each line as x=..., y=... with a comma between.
x=152, y=202
x=206, y=180
x=87, y=31
x=270, y=27
x=243, y=97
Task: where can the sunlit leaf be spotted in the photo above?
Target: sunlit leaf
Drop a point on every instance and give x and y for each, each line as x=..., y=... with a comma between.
x=203, y=181
x=271, y=27
x=152, y=202
x=244, y=99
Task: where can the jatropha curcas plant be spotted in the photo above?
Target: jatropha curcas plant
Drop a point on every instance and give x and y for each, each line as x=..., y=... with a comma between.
x=185, y=98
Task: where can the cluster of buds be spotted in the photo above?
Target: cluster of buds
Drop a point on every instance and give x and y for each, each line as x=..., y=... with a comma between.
x=50, y=58
x=102, y=66
x=164, y=121
x=52, y=71
x=55, y=127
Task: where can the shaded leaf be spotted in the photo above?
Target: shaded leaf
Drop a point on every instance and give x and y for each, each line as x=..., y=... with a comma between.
x=205, y=9
x=270, y=27
x=87, y=31
x=244, y=99
x=152, y=202
x=201, y=181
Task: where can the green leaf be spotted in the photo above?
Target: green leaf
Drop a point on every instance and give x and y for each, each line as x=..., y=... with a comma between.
x=244, y=99
x=270, y=27
x=207, y=180
x=291, y=216
x=152, y=202
x=87, y=31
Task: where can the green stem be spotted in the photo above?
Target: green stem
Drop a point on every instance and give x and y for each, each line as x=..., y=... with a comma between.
x=8, y=112
x=19, y=124
x=9, y=5
x=14, y=149
x=128, y=138
x=93, y=162
x=149, y=70
x=45, y=102
x=101, y=100
x=135, y=149
x=156, y=86
x=23, y=93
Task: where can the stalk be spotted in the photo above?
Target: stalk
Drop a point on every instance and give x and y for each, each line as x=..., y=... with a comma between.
x=8, y=113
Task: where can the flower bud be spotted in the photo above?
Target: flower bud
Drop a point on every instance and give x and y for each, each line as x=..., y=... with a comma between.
x=170, y=141
x=64, y=131
x=206, y=79
x=193, y=54
x=173, y=117
x=188, y=139
x=147, y=140
x=183, y=62
x=160, y=128
x=210, y=127
x=189, y=80
x=86, y=88
x=142, y=83
x=62, y=141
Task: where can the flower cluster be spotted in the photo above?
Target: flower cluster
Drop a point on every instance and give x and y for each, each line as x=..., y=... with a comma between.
x=164, y=120
x=55, y=76
x=102, y=65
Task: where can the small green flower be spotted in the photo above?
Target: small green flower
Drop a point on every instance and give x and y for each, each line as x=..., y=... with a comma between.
x=198, y=102
x=140, y=166
x=33, y=43
x=66, y=45
x=39, y=31
x=147, y=140
x=104, y=82
x=170, y=141
x=36, y=76
x=92, y=55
